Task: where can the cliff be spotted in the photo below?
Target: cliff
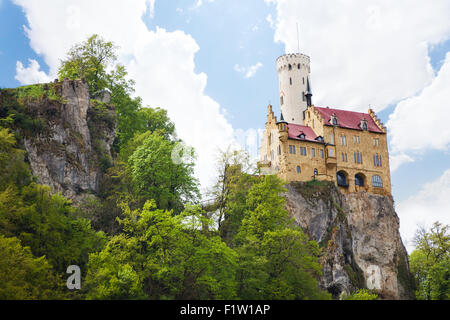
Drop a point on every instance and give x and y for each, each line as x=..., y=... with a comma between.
x=67, y=135
x=359, y=236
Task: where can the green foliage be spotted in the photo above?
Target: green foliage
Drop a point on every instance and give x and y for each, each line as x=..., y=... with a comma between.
x=95, y=60
x=14, y=112
x=362, y=294
x=287, y=261
x=24, y=277
x=156, y=176
x=430, y=263
x=36, y=92
x=44, y=223
x=13, y=170
x=90, y=60
x=162, y=256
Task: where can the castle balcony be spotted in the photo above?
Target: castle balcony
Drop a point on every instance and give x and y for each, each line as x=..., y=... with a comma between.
x=331, y=161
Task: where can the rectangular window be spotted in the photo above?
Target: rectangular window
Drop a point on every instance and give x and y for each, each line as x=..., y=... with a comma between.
x=376, y=142
x=313, y=151
x=332, y=138
x=331, y=153
x=358, y=157
x=356, y=139
x=281, y=100
x=303, y=151
x=321, y=153
x=292, y=149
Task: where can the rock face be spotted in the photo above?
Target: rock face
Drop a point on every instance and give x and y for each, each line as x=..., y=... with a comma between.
x=359, y=234
x=70, y=154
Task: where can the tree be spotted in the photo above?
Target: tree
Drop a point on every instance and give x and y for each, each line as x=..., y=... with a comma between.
x=430, y=263
x=96, y=61
x=156, y=175
x=13, y=170
x=90, y=60
x=44, y=222
x=23, y=276
x=150, y=121
x=162, y=256
x=234, y=180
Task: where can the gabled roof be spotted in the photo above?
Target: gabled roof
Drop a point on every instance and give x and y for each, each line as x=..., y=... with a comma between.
x=295, y=130
x=348, y=119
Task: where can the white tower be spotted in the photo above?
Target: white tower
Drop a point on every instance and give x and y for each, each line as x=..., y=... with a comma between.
x=293, y=74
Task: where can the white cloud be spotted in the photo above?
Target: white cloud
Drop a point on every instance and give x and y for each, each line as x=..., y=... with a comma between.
x=397, y=160
x=200, y=3
x=364, y=53
x=420, y=123
x=431, y=204
x=31, y=74
x=250, y=71
x=269, y=19
x=161, y=62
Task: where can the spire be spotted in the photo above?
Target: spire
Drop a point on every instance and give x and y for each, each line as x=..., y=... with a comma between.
x=308, y=93
x=282, y=119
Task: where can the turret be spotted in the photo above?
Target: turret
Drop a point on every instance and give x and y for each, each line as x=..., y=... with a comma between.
x=293, y=75
x=283, y=128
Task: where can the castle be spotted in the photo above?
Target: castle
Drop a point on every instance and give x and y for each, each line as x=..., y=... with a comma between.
x=309, y=142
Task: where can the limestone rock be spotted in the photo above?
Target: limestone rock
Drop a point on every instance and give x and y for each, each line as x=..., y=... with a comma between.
x=359, y=234
x=68, y=155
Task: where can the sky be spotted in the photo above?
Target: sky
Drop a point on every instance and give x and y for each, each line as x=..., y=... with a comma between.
x=211, y=64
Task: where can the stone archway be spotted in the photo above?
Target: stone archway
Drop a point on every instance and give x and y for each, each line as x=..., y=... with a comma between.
x=360, y=180
x=342, y=179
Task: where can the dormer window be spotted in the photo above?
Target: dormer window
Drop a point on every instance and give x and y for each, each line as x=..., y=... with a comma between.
x=364, y=125
x=302, y=136
x=320, y=139
x=334, y=120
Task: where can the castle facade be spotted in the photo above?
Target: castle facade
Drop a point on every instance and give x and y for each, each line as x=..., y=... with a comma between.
x=310, y=142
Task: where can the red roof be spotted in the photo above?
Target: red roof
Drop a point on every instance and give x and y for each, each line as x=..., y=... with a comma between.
x=348, y=119
x=295, y=130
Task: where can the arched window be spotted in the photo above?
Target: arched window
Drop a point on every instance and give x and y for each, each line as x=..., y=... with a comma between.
x=359, y=180
x=290, y=67
x=377, y=182
x=316, y=172
x=298, y=66
x=299, y=170
x=342, y=179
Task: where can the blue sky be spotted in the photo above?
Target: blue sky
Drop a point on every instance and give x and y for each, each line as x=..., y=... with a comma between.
x=195, y=58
